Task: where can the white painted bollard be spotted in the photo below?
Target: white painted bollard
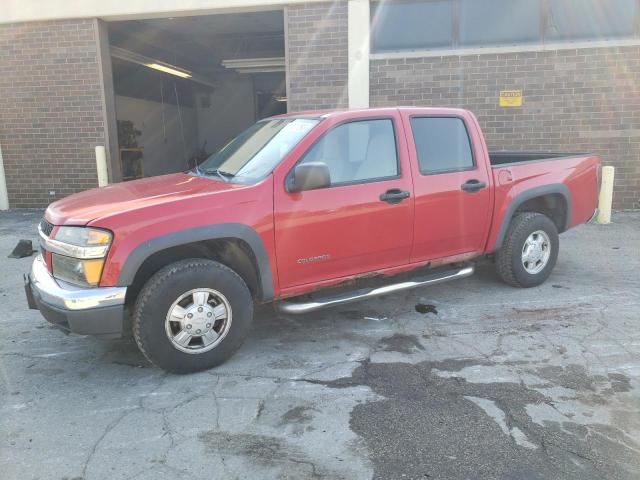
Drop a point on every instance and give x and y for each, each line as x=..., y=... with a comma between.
x=101, y=163
x=606, y=196
x=4, y=196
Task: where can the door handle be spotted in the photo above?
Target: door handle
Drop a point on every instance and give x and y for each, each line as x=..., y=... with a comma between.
x=393, y=196
x=473, y=186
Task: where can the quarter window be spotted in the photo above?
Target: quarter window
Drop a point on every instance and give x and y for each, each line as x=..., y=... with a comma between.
x=357, y=151
x=442, y=144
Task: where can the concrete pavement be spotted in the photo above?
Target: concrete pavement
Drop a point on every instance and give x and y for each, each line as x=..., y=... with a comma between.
x=472, y=379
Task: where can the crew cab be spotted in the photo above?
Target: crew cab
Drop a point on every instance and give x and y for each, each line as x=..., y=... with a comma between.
x=305, y=210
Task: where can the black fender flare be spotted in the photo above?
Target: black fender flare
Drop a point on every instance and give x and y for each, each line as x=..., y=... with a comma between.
x=208, y=232
x=554, y=188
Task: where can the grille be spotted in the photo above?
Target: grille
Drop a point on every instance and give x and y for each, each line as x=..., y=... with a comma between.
x=46, y=227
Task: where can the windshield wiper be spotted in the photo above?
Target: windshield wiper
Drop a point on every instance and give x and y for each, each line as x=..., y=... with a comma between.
x=224, y=176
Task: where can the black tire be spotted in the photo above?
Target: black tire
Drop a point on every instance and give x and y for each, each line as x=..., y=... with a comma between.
x=509, y=257
x=164, y=288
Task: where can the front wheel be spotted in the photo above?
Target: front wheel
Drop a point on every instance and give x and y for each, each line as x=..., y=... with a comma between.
x=529, y=251
x=192, y=315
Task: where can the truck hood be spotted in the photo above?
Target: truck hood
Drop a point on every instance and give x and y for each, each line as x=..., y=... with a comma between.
x=82, y=208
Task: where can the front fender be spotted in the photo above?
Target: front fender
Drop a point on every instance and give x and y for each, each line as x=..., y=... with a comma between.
x=208, y=232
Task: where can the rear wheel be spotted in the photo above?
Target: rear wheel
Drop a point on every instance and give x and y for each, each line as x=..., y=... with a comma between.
x=192, y=315
x=529, y=251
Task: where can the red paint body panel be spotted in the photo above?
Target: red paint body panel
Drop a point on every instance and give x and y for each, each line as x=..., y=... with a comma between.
x=116, y=199
x=578, y=173
x=448, y=221
x=348, y=224
x=358, y=233
x=141, y=210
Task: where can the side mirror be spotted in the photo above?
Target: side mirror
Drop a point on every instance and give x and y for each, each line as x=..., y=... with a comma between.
x=309, y=176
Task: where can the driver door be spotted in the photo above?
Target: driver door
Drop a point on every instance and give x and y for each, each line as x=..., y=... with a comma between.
x=363, y=221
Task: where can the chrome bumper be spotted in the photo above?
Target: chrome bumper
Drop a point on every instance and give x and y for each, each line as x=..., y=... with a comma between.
x=86, y=311
x=71, y=297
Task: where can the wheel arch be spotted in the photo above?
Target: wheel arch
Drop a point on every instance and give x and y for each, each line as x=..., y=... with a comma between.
x=237, y=246
x=552, y=200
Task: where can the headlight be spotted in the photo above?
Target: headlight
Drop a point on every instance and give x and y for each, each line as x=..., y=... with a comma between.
x=77, y=271
x=83, y=237
x=78, y=254
x=80, y=242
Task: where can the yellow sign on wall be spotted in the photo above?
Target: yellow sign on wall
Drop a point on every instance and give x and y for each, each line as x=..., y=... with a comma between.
x=511, y=98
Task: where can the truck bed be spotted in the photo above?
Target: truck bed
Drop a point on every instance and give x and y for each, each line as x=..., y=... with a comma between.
x=572, y=176
x=507, y=158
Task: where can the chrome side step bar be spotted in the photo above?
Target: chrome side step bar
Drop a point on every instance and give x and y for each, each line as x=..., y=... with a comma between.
x=356, y=295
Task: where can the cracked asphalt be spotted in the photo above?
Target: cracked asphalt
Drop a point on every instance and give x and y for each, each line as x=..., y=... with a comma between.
x=464, y=380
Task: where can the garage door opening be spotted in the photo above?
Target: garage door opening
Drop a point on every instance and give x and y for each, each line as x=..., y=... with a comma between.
x=185, y=86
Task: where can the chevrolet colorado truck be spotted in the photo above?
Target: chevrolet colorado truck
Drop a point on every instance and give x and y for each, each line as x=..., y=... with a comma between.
x=305, y=210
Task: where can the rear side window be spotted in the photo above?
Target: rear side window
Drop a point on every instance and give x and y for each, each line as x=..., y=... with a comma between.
x=442, y=144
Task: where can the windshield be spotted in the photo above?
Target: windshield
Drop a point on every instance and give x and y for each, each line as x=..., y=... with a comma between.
x=256, y=151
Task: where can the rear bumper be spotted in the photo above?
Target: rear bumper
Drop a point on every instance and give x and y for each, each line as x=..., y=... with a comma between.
x=84, y=311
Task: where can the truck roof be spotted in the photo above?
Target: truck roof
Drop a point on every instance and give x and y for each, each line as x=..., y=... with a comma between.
x=381, y=110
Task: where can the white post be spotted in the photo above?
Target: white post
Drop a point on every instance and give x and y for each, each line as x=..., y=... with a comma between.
x=101, y=163
x=358, y=53
x=606, y=196
x=4, y=196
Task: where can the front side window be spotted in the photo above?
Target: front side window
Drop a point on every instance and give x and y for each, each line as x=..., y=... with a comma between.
x=256, y=151
x=357, y=151
x=442, y=144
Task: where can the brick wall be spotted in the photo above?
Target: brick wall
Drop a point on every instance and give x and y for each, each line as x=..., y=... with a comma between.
x=574, y=100
x=584, y=100
x=50, y=109
x=317, y=55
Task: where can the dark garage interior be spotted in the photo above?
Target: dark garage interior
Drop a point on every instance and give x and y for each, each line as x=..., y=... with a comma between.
x=185, y=86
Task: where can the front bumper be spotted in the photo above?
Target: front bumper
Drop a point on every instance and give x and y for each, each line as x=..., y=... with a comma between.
x=84, y=311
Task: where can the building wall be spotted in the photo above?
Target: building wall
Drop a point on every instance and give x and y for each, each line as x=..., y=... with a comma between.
x=587, y=99
x=14, y=11
x=317, y=55
x=51, y=115
x=580, y=100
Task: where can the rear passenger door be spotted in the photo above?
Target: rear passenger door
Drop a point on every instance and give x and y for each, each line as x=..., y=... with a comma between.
x=451, y=185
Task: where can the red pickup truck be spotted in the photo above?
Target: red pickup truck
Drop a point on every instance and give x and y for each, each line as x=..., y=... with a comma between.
x=305, y=210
